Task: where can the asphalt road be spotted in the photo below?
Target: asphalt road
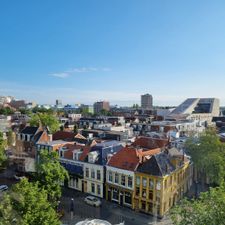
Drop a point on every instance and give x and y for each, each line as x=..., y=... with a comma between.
x=109, y=211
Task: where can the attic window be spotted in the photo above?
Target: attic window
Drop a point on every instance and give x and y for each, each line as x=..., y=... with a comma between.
x=77, y=155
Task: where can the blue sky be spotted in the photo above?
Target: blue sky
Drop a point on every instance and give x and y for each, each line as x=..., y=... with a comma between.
x=88, y=50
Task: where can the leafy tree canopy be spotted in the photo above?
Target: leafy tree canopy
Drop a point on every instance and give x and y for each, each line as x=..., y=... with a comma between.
x=208, y=209
x=6, y=111
x=47, y=120
x=208, y=155
x=51, y=174
x=27, y=204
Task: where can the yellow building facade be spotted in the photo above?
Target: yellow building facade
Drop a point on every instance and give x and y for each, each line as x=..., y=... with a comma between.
x=156, y=194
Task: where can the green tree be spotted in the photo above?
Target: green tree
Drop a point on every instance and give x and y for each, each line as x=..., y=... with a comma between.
x=10, y=138
x=27, y=204
x=45, y=119
x=51, y=174
x=84, y=111
x=42, y=110
x=75, y=128
x=6, y=111
x=135, y=106
x=208, y=155
x=208, y=209
x=25, y=111
x=3, y=157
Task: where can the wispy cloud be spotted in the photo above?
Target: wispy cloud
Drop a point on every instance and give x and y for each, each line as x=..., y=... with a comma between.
x=60, y=75
x=72, y=71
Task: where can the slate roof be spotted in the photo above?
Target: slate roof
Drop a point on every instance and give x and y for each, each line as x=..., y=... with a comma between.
x=103, y=149
x=38, y=136
x=157, y=165
x=29, y=130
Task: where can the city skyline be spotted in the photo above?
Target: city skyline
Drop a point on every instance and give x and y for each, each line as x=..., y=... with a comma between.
x=85, y=51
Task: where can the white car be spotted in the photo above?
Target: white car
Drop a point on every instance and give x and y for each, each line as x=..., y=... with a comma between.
x=3, y=188
x=17, y=177
x=91, y=200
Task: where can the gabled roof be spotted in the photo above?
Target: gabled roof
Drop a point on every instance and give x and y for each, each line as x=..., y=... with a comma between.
x=38, y=136
x=84, y=154
x=150, y=143
x=80, y=136
x=125, y=159
x=104, y=149
x=128, y=158
x=70, y=148
x=157, y=165
x=29, y=130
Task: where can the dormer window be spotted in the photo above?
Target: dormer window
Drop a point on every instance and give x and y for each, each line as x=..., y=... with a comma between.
x=61, y=154
x=77, y=154
x=28, y=137
x=92, y=157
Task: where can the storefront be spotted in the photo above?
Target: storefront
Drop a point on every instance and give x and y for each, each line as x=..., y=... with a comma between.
x=119, y=195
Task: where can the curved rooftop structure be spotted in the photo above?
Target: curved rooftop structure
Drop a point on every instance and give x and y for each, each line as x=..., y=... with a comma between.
x=94, y=222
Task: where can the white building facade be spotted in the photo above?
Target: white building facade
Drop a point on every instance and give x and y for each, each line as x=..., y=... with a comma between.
x=119, y=185
x=94, y=179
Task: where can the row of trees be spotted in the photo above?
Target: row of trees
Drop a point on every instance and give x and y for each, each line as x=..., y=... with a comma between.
x=2, y=150
x=35, y=203
x=208, y=155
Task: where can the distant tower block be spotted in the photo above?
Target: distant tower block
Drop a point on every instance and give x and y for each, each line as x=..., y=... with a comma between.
x=146, y=101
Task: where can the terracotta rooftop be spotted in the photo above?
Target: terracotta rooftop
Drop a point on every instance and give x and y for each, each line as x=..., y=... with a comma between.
x=125, y=159
x=150, y=143
x=68, y=154
x=128, y=158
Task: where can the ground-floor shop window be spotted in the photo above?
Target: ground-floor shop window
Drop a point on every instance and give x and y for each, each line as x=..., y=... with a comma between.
x=115, y=195
x=128, y=198
x=150, y=208
x=143, y=205
x=93, y=188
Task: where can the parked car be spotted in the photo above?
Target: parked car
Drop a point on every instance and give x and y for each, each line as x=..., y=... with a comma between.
x=91, y=200
x=3, y=188
x=18, y=177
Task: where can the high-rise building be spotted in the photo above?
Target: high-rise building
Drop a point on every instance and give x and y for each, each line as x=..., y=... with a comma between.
x=102, y=105
x=58, y=102
x=146, y=101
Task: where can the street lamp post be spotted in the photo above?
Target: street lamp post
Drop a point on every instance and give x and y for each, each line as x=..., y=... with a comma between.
x=71, y=208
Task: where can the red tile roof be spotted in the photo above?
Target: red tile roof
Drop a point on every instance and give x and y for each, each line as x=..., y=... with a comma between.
x=150, y=143
x=85, y=152
x=68, y=154
x=128, y=158
x=125, y=159
x=63, y=135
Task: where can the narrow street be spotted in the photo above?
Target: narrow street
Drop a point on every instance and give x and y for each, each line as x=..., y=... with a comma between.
x=108, y=211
